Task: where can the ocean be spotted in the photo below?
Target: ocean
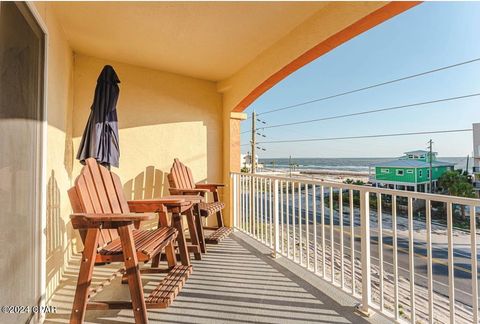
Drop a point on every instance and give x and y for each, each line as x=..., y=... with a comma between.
x=345, y=164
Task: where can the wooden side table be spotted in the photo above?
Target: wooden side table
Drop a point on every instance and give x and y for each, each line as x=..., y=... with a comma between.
x=197, y=244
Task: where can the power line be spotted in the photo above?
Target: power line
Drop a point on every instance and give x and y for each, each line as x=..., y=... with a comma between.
x=371, y=86
x=373, y=111
x=364, y=136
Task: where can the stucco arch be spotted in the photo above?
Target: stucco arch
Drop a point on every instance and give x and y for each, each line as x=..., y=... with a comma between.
x=325, y=30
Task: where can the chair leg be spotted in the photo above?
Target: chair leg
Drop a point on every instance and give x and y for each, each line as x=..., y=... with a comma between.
x=85, y=276
x=182, y=243
x=170, y=253
x=156, y=260
x=163, y=222
x=133, y=274
x=201, y=235
x=219, y=213
x=193, y=232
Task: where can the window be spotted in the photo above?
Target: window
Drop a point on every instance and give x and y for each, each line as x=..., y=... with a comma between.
x=428, y=173
x=384, y=170
x=410, y=171
x=399, y=173
x=410, y=156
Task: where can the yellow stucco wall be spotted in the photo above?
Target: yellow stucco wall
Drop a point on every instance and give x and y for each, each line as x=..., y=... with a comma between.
x=60, y=236
x=161, y=116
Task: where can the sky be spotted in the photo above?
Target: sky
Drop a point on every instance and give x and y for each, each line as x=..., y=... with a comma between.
x=428, y=36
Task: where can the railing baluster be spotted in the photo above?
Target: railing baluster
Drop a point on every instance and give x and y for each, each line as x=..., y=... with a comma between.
x=340, y=213
x=380, y=247
x=257, y=209
x=282, y=247
x=294, y=214
x=235, y=201
x=275, y=218
x=258, y=204
x=271, y=193
x=250, y=204
x=365, y=250
x=451, y=272
x=315, y=247
x=242, y=199
x=239, y=203
x=307, y=236
x=247, y=203
x=332, y=239
x=395, y=256
x=262, y=209
x=428, y=209
x=411, y=259
x=473, y=244
x=322, y=215
x=352, y=238
x=288, y=218
x=265, y=212
x=300, y=243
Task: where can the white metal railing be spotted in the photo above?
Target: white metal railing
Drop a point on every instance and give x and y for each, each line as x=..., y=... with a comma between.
x=405, y=266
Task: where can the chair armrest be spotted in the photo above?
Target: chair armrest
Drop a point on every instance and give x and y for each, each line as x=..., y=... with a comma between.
x=127, y=217
x=155, y=205
x=209, y=186
x=188, y=191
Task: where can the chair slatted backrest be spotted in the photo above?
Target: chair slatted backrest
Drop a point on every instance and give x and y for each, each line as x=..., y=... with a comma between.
x=97, y=190
x=180, y=176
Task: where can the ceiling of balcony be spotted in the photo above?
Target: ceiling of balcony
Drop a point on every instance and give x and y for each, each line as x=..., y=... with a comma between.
x=200, y=39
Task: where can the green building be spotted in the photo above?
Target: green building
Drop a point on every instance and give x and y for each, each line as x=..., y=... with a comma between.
x=410, y=172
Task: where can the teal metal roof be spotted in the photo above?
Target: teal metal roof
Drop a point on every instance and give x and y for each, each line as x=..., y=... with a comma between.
x=410, y=163
x=418, y=152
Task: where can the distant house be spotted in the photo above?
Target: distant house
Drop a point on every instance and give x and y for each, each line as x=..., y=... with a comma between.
x=410, y=172
x=246, y=161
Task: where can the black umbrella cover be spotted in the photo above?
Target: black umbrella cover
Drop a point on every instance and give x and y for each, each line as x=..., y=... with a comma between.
x=100, y=138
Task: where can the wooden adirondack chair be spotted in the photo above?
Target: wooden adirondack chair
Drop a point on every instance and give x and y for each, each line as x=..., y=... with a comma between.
x=181, y=182
x=102, y=216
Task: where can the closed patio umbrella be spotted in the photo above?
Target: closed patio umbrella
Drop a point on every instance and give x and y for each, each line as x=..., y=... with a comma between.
x=100, y=138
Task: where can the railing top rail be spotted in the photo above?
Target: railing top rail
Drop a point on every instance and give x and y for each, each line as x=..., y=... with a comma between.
x=401, y=193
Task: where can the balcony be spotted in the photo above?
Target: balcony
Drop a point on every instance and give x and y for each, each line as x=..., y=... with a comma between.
x=237, y=281
x=188, y=103
x=289, y=261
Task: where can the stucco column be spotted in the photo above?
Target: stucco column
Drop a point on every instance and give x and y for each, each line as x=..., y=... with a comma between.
x=231, y=157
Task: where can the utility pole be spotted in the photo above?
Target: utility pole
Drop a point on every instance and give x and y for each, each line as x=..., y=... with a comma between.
x=466, y=167
x=430, y=143
x=290, y=165
x=253, y=142
x=476, y=157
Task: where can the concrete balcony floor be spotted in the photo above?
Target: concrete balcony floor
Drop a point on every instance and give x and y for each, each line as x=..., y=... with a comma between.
x=237, y=281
